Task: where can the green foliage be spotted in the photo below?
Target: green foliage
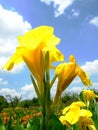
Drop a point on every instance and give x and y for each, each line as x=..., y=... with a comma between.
x=56, y=124
x=25, y=103
x=31, y=109
x=3, y=103
x=2, y=127
x=33, y=124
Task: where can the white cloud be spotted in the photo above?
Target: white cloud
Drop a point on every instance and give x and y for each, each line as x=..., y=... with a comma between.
x=76, y=80
x=91, y=67
x=11, y=25
x=95, y=86
x=3, y=82
x=27, y=88
x=48, y=2
x=28, y=91
x=76, y=90
x=8, y=91
x=75, y=12
x=59, y=5
x=94, y=21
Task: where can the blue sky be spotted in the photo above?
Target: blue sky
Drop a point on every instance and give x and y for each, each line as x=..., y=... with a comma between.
x=74, y=21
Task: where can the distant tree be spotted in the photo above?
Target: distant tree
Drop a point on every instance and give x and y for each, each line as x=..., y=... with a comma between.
x=13, y=101
x=25, y=103
x=29, y=103
x=3, y=103
x=16, y=101
x=68, y=98
x=35, y=102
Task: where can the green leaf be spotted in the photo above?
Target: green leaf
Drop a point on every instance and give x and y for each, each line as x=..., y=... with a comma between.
x=2, y=127
x=56, y=124
x=33, y=124
x=96, y=122
x=35, y=86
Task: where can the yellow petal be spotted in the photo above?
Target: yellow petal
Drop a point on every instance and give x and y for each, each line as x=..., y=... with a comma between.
x=32, y=59
x=66, y=73
x=54, y=53
x=72, y=116
x=63, y=120
x=89, y=94
x=85, y=113
x=66, y=110
x=92, y=127
x=39, y=39
x=14, y=60
x=42, y=35
x=83, y=76
x=78, y=103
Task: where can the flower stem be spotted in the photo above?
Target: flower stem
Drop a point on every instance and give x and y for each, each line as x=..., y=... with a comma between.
x=46, y=107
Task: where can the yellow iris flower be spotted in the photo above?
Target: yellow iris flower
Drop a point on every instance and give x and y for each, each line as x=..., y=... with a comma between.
x=66, y=73
x=89, y=94
x=74, y=114
x=32, y=48
x=85, y=121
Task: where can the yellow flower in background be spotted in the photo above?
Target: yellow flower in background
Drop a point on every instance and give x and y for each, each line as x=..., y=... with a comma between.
x=66, y=73
x=63, y=121
x=72, y=112
x=32, y=48
x=89, y=94
x=72, y=116
x=85, y=120
x=85, y=114
x=75, y=114
x=77, y=104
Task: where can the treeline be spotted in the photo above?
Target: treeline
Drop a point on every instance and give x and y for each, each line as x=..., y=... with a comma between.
x=12, y=102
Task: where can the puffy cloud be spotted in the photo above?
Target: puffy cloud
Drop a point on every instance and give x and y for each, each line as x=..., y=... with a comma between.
x=8, y=91
x=75, y=12
x=48, y=2
x=59, y=5
x=11, y=25
x=76, y=90
x=27, y=88
x=27, y=91
x=94, y=21
x=3, y=82
x=91, y=67
x=95, y=86
x=76, y=81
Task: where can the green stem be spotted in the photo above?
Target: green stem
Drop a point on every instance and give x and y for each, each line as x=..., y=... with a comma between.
x=46, y=107
x=35, y=86
x=53, y=80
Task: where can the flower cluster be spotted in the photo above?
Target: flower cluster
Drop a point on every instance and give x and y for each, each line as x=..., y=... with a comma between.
x=76, y=114
x=38, y=49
